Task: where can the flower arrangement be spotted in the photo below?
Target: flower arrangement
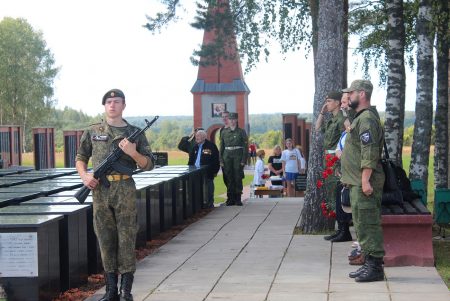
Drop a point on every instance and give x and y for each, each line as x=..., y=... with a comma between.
x=265, y=176
x=327, y=206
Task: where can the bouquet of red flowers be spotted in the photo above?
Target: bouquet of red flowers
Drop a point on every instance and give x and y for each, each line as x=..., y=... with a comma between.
x=265, y=176
x=327, y=206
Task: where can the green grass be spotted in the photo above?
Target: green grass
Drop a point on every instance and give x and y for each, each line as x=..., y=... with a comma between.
x=441, y=250
x=430, y=186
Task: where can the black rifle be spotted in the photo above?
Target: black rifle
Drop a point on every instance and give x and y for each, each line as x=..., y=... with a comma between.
x=112, y=163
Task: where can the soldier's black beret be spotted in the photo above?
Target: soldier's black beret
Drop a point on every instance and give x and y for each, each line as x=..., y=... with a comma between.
x=113, y=93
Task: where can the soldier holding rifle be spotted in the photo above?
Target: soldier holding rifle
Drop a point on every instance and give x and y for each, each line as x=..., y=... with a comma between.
x=114, y=206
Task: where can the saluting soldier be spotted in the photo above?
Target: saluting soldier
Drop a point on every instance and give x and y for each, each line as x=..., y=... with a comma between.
x=233, y=157
x=363, y=174
x=115, y=212
x=332, y=130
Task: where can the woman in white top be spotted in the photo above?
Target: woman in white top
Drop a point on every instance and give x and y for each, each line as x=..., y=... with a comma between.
x=259, y=169
x=292, y=165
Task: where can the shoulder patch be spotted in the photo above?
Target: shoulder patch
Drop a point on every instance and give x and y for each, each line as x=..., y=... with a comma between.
x=366, y=137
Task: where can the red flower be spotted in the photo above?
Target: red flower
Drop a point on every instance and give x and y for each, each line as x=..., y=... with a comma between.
x=265, y=176
x=324, y=174
x=328, y=157
x=329, y=171
x=319, y=184
x=329, y=164
x=332, y=214
x=335, y=159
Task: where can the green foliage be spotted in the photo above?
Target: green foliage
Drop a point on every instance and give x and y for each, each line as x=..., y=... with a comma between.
x=408, y=134
x=256, y=24
x=368, y=21
x=26, y=75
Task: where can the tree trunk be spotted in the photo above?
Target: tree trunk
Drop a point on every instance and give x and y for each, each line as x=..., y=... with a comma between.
x=314, y=8
x=441, y=120
x=345, y=28
x=420, y=152
x=329, y=73
x=395, y=96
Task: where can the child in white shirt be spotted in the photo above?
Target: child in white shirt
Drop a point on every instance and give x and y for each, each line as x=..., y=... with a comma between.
x=259, y=169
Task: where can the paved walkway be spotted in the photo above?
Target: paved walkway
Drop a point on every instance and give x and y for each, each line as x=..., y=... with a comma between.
x=250, y=253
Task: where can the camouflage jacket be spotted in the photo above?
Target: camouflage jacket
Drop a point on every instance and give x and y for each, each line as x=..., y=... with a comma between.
x=332, y=131
x=363, y=147
x=100, y=139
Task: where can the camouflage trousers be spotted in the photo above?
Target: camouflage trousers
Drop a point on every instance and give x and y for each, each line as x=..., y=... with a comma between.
x=366, y=211
x=115, y=224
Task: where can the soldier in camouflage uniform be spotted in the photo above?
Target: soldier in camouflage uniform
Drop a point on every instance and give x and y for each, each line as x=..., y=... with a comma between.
x=363, y=173
x=115, y=206
x=332, y=130
x=233, y=156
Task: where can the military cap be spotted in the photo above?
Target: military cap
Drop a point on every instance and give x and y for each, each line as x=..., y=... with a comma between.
x=359, y=85
x=233, y=116
x=336, y=95
x=113, y=93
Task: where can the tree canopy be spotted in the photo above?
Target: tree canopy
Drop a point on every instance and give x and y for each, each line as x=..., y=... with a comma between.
x=27, y=72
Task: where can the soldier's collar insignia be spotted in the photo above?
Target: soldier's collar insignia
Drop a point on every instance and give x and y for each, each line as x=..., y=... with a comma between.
x=366, y=138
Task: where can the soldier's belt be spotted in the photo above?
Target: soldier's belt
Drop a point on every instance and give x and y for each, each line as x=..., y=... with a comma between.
x=113, y=178
x=233, y=147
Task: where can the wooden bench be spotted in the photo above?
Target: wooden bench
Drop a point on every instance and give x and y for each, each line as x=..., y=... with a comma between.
x=407, y=231
x=269, y=192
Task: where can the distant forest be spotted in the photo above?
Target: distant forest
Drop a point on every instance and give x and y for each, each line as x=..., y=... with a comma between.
x=265, y=129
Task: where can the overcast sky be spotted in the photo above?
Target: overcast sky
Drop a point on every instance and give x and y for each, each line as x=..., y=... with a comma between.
x=101, y=44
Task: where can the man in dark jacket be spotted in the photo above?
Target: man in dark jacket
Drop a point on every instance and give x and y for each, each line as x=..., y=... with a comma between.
x=205, y=153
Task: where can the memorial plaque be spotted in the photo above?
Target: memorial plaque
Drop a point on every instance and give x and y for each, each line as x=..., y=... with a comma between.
x=18, y=255
x=162, y=158
x=300, y=183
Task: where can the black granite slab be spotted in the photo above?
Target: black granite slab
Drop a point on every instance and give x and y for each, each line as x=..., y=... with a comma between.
x=94, y=256
x=72, y=239
x=15, y=198
x=46, y=284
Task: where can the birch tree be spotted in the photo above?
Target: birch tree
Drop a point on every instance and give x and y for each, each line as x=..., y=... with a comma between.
x=395, y=96
x=441, y=143
x=420, y=151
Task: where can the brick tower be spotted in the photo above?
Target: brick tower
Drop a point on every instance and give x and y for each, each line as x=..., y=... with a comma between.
x=220, y=86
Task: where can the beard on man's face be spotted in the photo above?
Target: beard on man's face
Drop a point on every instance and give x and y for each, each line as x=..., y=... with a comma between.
x=354, y=103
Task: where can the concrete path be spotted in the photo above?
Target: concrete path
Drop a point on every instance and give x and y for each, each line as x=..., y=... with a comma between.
x=250, y=253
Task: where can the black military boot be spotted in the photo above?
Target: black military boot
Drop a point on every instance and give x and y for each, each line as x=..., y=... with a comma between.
x=230, y=200
x=111, y=287
x=344, y=234
x=373, y=272
x=238, y=199
x=360, y=270
x=126, y=283
x=330, y=237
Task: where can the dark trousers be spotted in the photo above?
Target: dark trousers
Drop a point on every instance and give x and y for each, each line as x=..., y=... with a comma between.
x=210, y=186
x=341, y=216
